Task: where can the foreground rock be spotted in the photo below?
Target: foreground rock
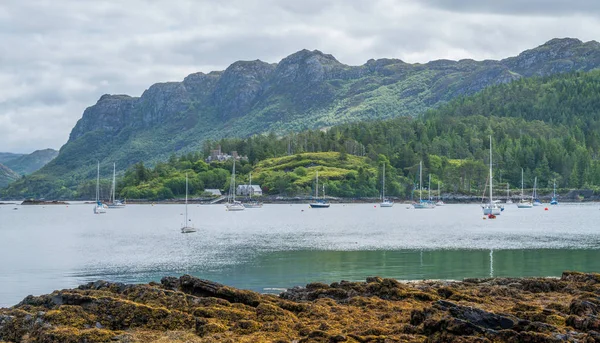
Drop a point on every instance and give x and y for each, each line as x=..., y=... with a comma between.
x=189, y=309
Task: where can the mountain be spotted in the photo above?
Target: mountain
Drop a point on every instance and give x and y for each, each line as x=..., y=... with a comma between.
x=549, y=126
x=27, y=164
x=7, y=175
x=7, y=156
x=308, y=89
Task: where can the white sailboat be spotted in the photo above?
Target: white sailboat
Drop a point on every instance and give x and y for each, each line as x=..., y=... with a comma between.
x=319, y=203
x=99, y=207
x=439, y=202
x=523, y=203
x=384, y=202
x=536, y=201
x=492, y=208
x=113, y=202
x=251, y=203
x=508, y=199
x=554, y=201
x=232, y=204
x=422, y=204
x=185, y=228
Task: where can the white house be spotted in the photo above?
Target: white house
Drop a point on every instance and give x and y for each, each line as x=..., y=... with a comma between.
x=247, y=190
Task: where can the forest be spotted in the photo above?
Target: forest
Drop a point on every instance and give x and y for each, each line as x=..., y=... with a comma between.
x=549, y=127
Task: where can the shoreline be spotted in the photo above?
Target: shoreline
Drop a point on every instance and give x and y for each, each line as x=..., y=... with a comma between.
x=302, y=201
x=189, y=309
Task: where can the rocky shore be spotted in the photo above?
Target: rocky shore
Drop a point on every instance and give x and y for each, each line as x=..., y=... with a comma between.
x=189, y=309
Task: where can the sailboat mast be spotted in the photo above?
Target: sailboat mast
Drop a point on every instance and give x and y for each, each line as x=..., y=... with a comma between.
x=317, y=187
x=114, y=182
x=491, y=178
x=186, y=193
x=250, y=186
x=233, y=181
x=98, y=183
x=383, y=184
x=429, y=188
x=522, y=189
x=420, y=180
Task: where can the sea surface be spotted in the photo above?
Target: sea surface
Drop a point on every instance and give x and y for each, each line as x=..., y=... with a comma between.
x=43, y=248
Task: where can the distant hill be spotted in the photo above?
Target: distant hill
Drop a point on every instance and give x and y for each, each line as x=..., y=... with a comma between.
x=306, y=90
x=27, y=164
x=7, y=156
x=7, y=175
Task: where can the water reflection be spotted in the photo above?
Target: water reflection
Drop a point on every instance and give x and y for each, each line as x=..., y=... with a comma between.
x=285, y=269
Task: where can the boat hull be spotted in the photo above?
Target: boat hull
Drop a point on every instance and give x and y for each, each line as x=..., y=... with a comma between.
x=319, y=205
x=424, y=206
x=386, y=204
x=495, y=210
x=524, y=205
x=99, y=210
x=116, y=206
x=235, y=207
x=188, y=229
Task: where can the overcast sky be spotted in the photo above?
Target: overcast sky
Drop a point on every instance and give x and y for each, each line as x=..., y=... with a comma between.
x=58, y=57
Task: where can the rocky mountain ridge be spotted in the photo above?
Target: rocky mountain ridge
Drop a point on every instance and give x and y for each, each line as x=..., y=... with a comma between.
x=306, y=90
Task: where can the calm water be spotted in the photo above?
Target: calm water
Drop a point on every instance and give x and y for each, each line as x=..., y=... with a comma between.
x=279, y=246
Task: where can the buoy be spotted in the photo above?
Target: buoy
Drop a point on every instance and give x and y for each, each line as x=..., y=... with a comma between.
x=546, y=209
x=484, y=218
x=375, y=206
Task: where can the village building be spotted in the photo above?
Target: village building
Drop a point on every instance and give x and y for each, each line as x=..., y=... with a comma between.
x=247, y=190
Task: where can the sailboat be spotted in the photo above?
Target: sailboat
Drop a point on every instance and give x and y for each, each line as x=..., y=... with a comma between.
x=384, y=202
x=185, y=228
x=523, y=203
x=536, y=201
x=99, y=207
x=113, y=202
x=422, y=204
x=508, y=199
x=252, y=203
x=554, y=201
x=439, y=202
x=492, y=208
x=232, y=204
x=319, y=203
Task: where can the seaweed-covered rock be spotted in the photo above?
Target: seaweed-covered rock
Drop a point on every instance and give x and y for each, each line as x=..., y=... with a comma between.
x=188, y=309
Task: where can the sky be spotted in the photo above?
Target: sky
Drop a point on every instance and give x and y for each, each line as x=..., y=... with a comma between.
x=58, y=57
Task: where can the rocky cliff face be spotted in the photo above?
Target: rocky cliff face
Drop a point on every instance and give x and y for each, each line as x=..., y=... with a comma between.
x=308, y=89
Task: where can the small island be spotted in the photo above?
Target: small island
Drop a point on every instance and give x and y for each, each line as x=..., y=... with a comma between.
x=189, y=309
x=43, y=202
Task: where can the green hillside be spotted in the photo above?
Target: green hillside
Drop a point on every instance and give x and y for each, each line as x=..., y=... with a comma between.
x=546, y=125
x=7, y=175
x=27, y=164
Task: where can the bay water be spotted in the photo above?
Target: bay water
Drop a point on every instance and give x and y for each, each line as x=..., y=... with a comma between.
x=43, y=248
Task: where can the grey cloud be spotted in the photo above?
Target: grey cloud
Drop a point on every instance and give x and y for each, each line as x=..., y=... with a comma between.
x=520, y=7
x=58, y=57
